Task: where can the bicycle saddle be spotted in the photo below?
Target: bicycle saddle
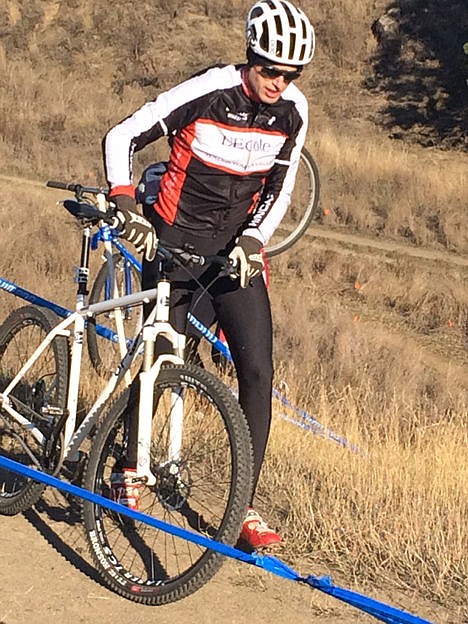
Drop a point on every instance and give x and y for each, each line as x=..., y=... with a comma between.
x=86, y=212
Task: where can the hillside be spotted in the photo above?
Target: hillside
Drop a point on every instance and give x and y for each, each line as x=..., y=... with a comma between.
x=370, y=309
x=69, y=73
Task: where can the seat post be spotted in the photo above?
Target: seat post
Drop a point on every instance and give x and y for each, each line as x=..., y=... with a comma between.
x=82, y=272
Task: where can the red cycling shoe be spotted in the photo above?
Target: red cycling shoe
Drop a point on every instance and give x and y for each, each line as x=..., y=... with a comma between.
x=125, y=488
x=256, y=533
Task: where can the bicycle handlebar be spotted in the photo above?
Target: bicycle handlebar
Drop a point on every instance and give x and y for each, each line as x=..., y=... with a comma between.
x=79, y=208
x=187, y=257
x=91, y=214
x=78, y=189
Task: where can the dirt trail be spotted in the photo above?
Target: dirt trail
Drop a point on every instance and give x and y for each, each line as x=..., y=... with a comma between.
x=346, y=243
x=46, y=578
x=337, y=240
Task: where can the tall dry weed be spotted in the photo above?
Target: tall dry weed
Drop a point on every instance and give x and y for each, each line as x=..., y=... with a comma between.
x=396, y=513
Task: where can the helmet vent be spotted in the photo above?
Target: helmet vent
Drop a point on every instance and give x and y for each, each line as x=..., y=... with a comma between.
x=290, y=16
x=278, y=25
x=265, y=39
x=292, y=45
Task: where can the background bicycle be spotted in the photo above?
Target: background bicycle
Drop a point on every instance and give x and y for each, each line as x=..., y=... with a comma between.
x=120, y=272
x=194, y=451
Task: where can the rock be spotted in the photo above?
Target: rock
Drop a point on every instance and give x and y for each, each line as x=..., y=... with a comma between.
x=386, y=29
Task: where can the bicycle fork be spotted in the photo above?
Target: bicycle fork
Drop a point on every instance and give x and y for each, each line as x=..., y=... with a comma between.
x=148, y=375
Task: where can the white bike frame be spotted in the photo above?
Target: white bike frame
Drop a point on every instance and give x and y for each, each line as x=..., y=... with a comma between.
x=73, y=326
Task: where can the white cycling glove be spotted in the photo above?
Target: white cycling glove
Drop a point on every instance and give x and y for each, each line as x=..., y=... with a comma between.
x=134, y=227
x=247, y=258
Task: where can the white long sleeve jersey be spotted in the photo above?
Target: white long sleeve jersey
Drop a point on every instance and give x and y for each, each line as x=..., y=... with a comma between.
x=233, y=160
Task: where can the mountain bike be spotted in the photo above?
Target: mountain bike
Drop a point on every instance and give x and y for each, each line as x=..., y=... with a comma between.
x=121, y=271
x=194, y=455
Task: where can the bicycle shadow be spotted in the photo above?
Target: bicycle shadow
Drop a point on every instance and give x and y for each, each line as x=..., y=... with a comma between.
x=420, y=68
x=58, y=521
x=57, y=517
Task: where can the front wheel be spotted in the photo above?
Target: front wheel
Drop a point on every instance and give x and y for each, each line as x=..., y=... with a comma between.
x=303, y=209
x=40, y=397
x=204, y=488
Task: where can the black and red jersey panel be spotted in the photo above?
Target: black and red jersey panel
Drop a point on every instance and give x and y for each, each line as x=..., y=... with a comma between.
x=233, y=160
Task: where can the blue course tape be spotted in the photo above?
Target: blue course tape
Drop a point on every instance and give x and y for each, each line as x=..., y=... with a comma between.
x=379, y=610
x=310, y=423
x=16, y=290
x=307, y=422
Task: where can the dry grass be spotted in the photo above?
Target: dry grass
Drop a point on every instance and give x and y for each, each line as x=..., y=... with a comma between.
x=420, y=295
x=394, y=190
x=376, y=349
x=398, y=513
x=378, y=365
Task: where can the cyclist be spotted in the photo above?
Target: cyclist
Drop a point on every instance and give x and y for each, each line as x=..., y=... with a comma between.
x=236, y=134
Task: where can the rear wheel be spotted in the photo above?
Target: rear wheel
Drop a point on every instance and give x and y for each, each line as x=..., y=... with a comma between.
x=40, y=397
x=205, y=488
x=304, y=207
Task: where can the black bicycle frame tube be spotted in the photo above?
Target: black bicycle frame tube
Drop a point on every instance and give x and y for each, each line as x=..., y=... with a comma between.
x=83, y=269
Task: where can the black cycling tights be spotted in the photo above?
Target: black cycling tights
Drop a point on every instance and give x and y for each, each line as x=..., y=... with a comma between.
x=245, y=317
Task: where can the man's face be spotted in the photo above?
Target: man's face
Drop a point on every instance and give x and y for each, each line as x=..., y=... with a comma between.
x=268, y=82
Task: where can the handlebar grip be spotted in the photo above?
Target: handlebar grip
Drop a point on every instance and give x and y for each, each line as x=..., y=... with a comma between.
x=58, y=185
x=78, y=189
x=218, y=260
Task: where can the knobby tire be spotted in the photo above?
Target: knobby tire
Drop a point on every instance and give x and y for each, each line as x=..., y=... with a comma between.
x=209, y=493
x=44, y=385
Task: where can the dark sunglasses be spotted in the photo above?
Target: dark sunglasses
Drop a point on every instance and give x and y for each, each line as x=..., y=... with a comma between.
x=267, y=71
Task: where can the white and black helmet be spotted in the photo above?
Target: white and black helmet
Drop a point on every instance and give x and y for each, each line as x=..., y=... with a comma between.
x=280, y=32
